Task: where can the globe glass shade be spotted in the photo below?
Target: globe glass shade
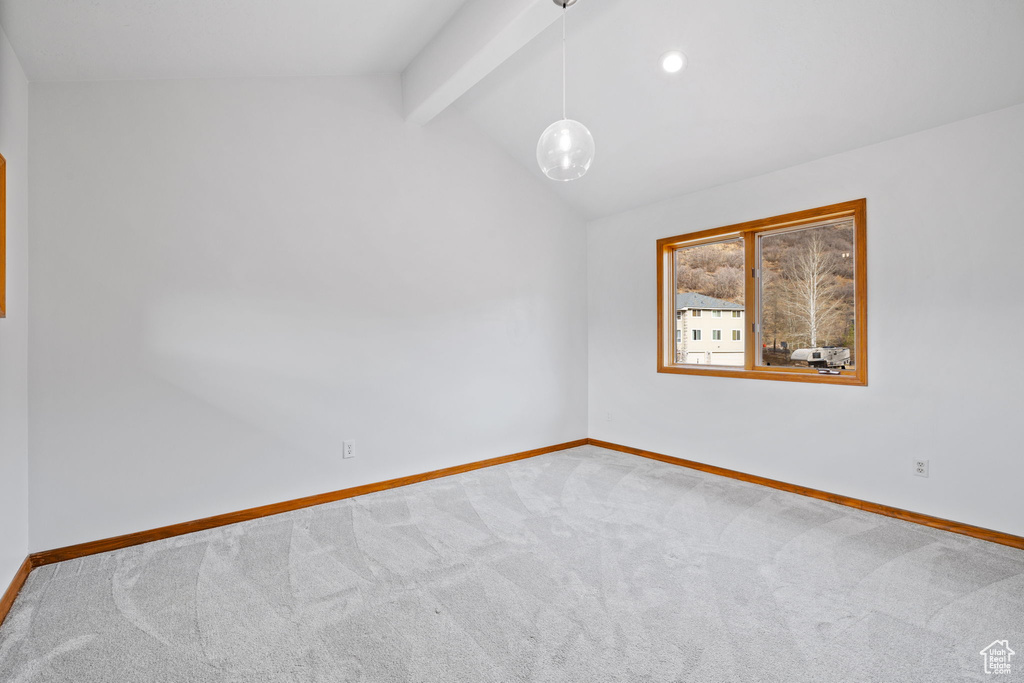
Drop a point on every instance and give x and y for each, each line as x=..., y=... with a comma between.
x=565, y=150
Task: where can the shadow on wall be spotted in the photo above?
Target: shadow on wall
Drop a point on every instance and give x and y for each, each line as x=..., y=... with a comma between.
x=306, y=372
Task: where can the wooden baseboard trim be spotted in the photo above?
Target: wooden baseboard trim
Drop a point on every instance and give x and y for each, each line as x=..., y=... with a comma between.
x=7, y=601
x=106, y=545
x=117, y=542
x=877, y=508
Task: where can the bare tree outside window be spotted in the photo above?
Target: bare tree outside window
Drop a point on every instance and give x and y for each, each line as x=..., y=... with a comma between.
x=807, y=292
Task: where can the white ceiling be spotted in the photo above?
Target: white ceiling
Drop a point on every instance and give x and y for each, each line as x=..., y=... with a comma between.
x=769, y=84
x=72, y=40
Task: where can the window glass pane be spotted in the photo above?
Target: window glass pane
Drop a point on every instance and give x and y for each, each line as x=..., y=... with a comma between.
x=807, y=288
x=709, y=278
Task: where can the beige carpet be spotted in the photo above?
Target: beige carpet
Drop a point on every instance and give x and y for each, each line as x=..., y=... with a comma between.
x=585, y=565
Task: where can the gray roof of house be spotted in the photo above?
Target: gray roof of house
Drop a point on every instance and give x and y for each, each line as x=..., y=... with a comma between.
x=694, y=300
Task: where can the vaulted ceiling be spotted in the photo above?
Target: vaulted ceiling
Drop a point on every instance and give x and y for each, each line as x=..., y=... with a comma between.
x=90, y=40
x=769, y=84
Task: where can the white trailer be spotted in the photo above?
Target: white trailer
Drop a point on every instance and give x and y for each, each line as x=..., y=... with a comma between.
x=824, y=356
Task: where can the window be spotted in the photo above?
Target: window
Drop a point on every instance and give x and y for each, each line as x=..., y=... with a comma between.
x=716, y=314
x=797, y=282
x=716, y=335
x=695, y=314
x=679, y=315
x=679, y=336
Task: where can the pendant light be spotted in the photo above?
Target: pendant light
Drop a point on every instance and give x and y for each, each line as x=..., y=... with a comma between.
x=566, y=148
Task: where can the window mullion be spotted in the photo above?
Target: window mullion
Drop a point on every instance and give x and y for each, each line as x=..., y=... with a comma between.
x=750, y=299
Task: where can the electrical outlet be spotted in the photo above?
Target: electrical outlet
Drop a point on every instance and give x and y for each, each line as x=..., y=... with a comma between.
x=348, y=449
x=921, y=468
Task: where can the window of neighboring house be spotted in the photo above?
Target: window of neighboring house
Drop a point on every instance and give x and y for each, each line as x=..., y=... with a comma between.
x=679, y=336
x=716, y=314
x=695, y=314
x=679, y=315
x=800, y=281
x=716, y=335
x=3, y=237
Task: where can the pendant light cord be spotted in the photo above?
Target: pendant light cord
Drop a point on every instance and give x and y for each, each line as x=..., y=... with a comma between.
x=564, y=12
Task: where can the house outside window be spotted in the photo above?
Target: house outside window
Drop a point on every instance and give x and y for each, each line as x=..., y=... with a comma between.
x=696, y=342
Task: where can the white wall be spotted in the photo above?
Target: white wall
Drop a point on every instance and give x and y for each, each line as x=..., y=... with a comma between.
x=14, y=328
x=231, y=277
x=945, y=242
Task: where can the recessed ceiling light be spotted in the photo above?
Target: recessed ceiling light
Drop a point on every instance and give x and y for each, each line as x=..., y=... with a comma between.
x=673, y=62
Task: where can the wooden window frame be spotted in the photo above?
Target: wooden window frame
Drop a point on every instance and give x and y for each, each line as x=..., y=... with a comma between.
x=3, y=237
x=747, y=232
